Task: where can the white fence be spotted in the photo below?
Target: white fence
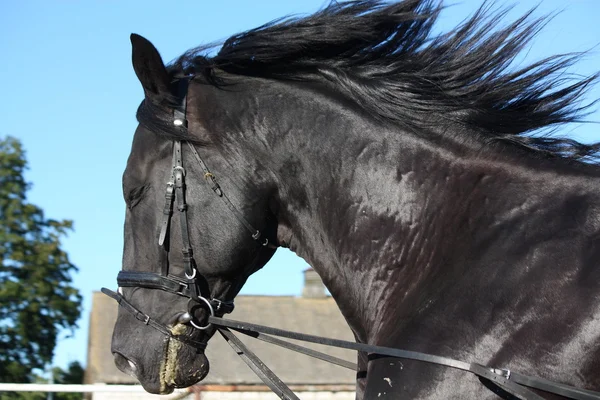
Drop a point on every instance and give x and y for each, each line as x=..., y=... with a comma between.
x=136, y=392
x=100, y=391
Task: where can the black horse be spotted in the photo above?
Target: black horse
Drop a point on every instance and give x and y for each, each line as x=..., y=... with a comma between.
x=409, y=170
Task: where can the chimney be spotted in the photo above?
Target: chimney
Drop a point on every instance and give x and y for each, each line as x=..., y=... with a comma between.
x=313, y=285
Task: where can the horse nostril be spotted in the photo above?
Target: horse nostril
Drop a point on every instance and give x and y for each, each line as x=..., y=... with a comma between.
x=125, y=365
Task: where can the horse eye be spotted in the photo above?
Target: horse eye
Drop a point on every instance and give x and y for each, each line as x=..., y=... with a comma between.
x=135, y=196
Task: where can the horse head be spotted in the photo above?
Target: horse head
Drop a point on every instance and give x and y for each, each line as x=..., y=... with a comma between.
x=193, y=235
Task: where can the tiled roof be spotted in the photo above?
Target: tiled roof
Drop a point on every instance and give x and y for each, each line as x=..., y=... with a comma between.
x=318, y=316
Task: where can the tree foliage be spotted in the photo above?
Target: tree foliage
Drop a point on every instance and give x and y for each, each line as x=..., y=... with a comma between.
x=73, y=375
x=37, y=299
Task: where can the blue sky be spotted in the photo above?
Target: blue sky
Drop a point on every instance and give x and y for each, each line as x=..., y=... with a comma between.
x=70, y=95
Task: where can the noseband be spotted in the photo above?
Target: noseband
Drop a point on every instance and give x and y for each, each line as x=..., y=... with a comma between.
x=190, y=286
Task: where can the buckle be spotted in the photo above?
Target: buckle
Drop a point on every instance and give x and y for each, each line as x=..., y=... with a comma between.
x=179, y=168
x=503, y=372
x=226, y=306
x=218, y=303
x=183, y=287
x=140, y=316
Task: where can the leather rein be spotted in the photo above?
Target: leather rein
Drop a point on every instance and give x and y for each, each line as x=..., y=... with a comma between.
x=505, y=383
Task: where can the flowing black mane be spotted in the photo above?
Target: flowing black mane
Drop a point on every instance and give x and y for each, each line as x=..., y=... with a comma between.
x=385, y=58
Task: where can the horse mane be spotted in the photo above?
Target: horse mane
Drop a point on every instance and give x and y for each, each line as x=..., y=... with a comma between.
x=386, y=58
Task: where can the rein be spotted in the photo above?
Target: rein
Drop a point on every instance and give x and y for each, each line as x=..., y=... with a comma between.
x=504, y=383
x=509, y=381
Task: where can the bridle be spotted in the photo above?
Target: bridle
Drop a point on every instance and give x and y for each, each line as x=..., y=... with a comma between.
x=510, y=383
x=192, y=285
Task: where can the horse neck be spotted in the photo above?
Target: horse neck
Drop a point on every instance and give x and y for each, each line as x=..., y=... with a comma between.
x=379, y=213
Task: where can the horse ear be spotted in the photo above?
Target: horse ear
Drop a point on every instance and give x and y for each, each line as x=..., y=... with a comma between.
x=149, y=68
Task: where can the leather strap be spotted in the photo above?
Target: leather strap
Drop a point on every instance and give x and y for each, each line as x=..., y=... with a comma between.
x=214, y=185
x=302, y=350
x=553, y=387
x=168, y=208
x=259, y=368
x=179, y=174
x=507, y=381
x=150, y=280
x=140, y=316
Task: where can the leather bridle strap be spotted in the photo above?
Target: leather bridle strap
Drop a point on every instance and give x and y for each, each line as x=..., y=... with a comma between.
x=507, y=380
x=151, y=280
x=189, y=264
x=258, y=367
x=139, y=315
x=567, y=391
x=168, y=208
x=214, y=185
x=302, y=350
x=510, y=387
x=178, y=173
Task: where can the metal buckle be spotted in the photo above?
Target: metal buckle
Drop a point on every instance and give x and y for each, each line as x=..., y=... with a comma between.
x=219, y=304
x=179, y=168
x=503, y=372
x=145, y=319
x=182, y=287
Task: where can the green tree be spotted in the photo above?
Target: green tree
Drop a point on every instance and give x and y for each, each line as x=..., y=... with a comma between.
x=72, y=376
x=37, y=299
